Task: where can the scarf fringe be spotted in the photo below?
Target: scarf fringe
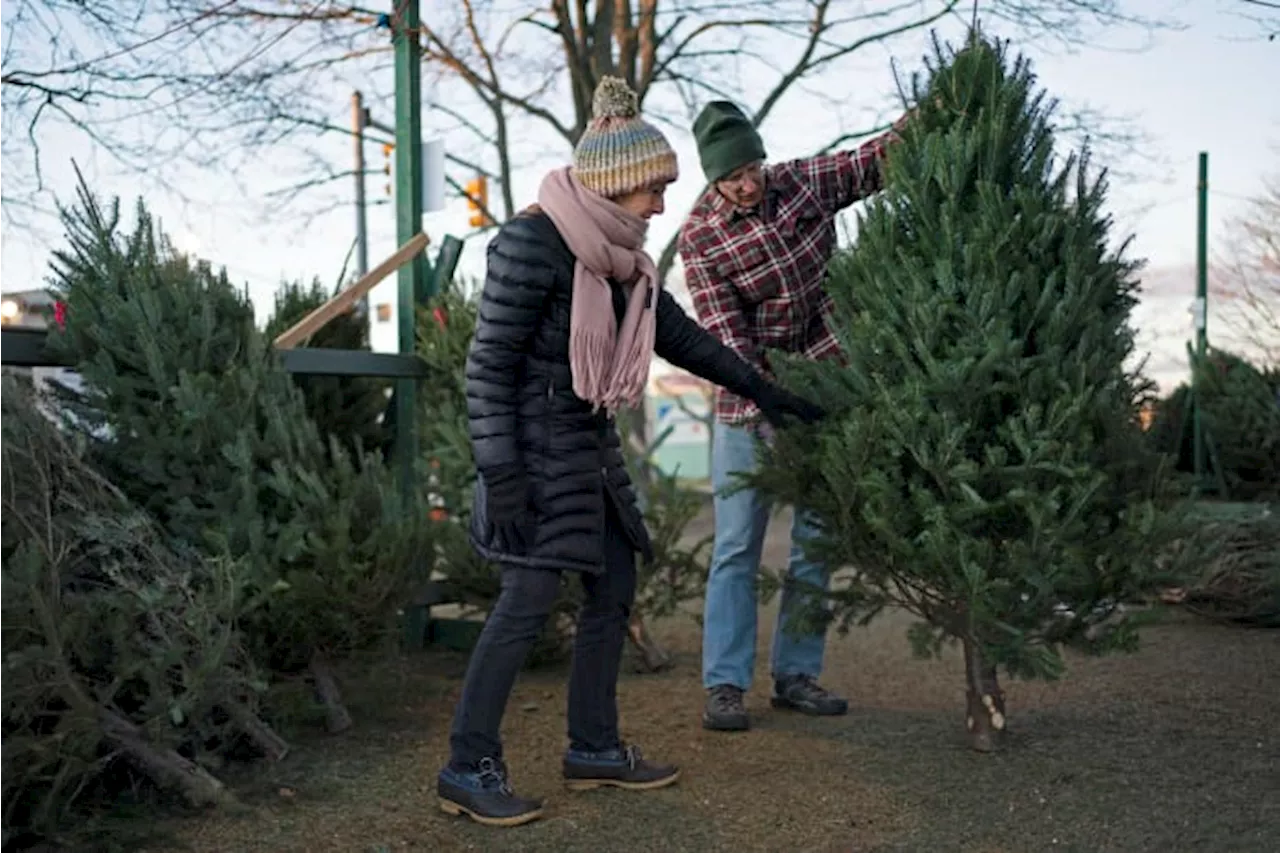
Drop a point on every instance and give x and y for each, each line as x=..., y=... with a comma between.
x=591, y=352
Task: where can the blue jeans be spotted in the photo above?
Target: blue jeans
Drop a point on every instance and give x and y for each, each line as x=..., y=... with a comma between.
x=729, y=613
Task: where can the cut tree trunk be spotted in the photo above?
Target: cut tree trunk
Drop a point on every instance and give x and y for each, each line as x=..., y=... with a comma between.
x=337, y=719
x=653, y=658
x=196, y=785
x=274, y=747
x=984, y=700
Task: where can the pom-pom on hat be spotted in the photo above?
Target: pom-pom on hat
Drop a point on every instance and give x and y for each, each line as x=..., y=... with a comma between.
x=619, y=152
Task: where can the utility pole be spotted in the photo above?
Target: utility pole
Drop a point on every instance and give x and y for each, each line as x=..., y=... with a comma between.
x=362, y=226
x=412, y=277
x=1201, y=315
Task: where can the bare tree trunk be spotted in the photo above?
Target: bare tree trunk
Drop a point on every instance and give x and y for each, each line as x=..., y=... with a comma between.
x=653, y=658
x=197, y=786
x=326, y=685
x=274, y=747
x=984, y=700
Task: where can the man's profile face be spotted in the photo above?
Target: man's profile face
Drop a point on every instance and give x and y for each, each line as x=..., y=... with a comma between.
x=744, y=186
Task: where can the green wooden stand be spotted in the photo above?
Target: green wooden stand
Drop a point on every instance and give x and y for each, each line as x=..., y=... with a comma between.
x=456, y=634
x=420, y=629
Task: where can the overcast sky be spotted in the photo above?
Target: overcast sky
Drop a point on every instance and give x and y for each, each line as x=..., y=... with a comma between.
x=1204, y=88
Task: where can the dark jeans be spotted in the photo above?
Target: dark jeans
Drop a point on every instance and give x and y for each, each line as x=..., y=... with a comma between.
x=514, y=625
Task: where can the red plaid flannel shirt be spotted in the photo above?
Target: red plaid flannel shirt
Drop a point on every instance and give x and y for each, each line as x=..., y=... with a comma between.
x=756, y=276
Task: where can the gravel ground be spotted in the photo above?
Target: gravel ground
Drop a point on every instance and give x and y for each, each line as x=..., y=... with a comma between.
x=1174, y=748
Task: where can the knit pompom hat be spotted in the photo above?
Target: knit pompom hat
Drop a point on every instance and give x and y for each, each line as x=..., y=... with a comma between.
x=619, y=152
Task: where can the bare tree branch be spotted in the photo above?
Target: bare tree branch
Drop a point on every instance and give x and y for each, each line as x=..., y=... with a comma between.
x=160, y=84
x=142, y=80
x=1248, y=276
x=670, y=49
x=1265, y=14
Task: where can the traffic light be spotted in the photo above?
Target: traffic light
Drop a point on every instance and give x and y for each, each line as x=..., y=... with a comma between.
x=477, y=191
x=387, y=149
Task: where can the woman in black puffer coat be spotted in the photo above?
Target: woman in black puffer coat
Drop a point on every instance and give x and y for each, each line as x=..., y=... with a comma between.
x=570, y=316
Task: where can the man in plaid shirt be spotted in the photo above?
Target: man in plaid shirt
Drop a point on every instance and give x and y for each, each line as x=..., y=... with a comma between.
x=755, y=250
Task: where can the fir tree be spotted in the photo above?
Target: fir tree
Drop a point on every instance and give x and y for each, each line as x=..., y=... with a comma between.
x=191, y=414
x=123, y=657
x=1240, y=414
x=348, y=408
x=983, y=466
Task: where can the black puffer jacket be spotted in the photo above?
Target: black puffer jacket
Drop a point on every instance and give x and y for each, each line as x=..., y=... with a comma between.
x=522, y=408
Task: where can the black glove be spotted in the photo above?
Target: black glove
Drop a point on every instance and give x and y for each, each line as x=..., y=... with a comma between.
x=778, y=405
x=510, y=515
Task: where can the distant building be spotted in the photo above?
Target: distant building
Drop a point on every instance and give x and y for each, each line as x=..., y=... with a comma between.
x=679, y=415
x=35, y=309
x=27, y=309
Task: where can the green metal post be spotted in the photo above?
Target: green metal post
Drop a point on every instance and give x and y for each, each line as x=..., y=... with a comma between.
x=1202, y=313
x=412, y=276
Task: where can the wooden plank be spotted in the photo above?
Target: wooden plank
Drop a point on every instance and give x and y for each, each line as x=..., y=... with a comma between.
x=316, y=320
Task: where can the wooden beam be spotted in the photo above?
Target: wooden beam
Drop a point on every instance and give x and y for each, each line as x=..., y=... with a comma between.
x=316, y=320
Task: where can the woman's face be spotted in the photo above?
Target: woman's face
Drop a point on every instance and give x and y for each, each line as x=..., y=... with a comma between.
x=645, y=203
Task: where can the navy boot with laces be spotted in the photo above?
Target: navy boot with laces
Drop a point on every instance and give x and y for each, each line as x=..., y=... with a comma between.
x=618, y=768
x=485, y=795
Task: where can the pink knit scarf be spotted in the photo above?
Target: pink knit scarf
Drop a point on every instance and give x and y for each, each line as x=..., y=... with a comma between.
x=610, y=365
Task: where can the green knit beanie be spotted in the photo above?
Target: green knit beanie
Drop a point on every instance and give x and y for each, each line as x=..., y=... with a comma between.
x=726, y=140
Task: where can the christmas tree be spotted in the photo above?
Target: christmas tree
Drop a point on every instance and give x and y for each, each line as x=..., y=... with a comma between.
x=123, y=658
x=348, y=408
x=188, y=410
x=983, y=467
x=1240, y=415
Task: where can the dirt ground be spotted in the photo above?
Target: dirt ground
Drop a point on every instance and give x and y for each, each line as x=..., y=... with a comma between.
x=1174, y=748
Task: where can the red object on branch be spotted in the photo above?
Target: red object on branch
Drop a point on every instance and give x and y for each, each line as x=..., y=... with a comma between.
x=441, y=317
x=60, y=314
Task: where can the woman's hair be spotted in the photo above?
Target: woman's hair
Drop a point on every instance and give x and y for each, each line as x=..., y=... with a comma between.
x=620, y=152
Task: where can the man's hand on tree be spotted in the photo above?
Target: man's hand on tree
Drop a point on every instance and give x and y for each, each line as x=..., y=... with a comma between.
x=510, y=512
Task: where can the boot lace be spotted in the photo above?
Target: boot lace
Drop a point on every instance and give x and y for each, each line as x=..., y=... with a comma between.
x=493, y=775
x=806, y=687
x=726, y=699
